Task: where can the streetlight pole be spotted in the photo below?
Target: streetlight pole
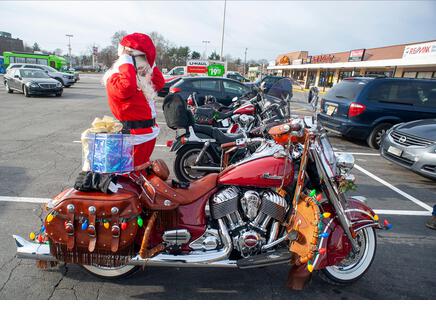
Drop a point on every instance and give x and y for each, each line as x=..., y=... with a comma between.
x=69, y=47
x=205, y=48
x=245, y=63
x=222, y=35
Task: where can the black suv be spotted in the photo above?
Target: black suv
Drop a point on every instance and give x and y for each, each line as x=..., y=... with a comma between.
x=365, y=108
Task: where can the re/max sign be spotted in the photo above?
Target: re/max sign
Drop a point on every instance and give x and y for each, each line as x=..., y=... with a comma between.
x=423, y=49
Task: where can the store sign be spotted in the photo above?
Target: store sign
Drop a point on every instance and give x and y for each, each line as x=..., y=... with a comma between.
x=215, y=70
x=323, y=58
x=308, y=60
x=356, y=55
x=420, y=50
x=197, y=66
x=284, y=61
x=297, y=61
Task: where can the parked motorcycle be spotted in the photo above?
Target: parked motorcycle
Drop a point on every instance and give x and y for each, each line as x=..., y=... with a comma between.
x=254, y=213
x=198, y=148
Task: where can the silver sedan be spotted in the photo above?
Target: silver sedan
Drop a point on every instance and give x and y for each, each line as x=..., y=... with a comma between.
x=413, y=146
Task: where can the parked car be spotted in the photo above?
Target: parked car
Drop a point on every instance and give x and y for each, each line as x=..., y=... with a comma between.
x=66, y=79
x=269, y=81
x=365, y=108
x=223, y=89
x=168, y=83
x=31, y=82
x=73, y=72
x=413, y=146
x=236, y=76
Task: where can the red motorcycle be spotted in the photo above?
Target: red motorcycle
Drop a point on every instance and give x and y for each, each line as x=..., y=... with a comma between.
x=255, y=213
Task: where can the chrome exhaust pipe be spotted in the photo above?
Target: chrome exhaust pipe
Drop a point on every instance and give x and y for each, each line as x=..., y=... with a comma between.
x=32, y=250
x=206, y=168
x=213, y=258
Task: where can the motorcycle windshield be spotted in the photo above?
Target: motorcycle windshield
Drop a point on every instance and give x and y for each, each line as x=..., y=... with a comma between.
x=281, y=89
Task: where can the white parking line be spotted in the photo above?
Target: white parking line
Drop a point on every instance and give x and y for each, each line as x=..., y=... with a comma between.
x=403, y=212
x=359, y=153
x=24, y=199
x=387, y=184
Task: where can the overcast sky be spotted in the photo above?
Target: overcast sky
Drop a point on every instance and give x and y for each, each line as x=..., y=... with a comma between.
x=266, y=28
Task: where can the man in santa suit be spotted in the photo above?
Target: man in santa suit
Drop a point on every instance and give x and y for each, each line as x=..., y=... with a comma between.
x=131, y=85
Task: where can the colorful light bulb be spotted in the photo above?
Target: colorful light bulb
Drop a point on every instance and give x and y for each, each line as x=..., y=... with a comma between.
x=312, y=193
x=322, y=250
x=123, y=225
x=387, y=225
x=106, y=224
x=32, y=236
x=309, y=267
x=326, y=215
x=85, y=224
x=324, y=235
x=320, y=225
x=140, y=221
x=40, y=239
x=43, y=229
x=49, y=217
x=376, y=218
x=319, y=197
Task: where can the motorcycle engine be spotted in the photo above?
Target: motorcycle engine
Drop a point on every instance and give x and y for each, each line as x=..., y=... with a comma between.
x=258, y=221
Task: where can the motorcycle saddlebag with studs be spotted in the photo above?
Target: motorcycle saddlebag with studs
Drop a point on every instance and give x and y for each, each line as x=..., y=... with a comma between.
x=94, y=228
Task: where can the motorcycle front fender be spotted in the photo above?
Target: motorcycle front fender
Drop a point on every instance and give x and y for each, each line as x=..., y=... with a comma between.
x=337, y=246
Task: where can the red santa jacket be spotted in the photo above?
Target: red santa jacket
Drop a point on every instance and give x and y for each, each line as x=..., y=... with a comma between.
x=126, y=100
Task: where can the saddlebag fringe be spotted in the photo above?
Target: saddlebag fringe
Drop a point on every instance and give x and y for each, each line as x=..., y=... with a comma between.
x=103, y=258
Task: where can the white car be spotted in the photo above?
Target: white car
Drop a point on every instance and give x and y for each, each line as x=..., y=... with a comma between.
x=66, y=79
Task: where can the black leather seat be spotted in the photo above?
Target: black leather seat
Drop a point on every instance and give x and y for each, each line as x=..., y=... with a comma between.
x=217, y=134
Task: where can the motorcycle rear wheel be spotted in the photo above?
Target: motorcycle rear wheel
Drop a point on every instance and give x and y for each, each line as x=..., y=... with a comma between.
x=110, y=273
x=355, y=265
x=186, y=158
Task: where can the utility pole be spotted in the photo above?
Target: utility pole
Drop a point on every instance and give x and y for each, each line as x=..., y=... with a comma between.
x=205, y=48
x=222, y=35
x=245, y=63
x=69, y=47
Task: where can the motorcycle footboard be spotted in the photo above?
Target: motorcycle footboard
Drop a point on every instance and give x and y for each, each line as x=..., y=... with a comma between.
x=265, y=259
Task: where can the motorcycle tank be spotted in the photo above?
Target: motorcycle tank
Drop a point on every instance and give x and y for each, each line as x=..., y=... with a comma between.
x=264, y=172
x=245, y=109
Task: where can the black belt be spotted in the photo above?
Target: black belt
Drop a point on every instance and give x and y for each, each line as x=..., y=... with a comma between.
x=137, y=124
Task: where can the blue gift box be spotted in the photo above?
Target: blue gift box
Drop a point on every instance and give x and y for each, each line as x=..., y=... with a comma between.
x=108, y=152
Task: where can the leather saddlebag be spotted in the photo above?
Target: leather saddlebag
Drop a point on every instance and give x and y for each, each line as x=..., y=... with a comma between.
x=92, y=227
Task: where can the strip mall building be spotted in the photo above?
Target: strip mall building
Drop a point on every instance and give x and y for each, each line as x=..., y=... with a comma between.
x=410, y=60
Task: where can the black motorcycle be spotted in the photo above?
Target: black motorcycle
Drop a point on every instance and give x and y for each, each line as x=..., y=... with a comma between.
x=198, y=148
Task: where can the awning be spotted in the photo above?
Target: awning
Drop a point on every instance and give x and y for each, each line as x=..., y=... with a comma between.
x=410, y=62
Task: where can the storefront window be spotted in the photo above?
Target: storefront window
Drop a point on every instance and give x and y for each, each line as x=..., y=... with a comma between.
x=326, y=79
x=379, y=73
x=311, y=77
x=424, y=75
x=409, y=74
x=344, y=74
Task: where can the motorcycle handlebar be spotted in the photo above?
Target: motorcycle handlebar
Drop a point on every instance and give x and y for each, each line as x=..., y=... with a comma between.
x=241, y=142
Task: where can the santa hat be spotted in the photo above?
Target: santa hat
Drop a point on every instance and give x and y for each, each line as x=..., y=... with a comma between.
x=138, y=44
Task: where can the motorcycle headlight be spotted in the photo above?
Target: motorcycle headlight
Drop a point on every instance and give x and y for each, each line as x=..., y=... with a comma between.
x=345, y=162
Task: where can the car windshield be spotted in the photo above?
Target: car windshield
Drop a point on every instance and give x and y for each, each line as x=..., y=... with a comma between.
x=50, y=69
x=347, y=89
x=281, y=89
x=33, y=74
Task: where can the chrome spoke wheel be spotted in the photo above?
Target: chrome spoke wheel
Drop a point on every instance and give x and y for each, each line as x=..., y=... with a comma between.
x=357, y=263
x=188, y=161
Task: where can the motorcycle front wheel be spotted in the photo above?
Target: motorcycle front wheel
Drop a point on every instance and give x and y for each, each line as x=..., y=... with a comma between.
x=356, y=264
x=110, y=273
x=186, y=158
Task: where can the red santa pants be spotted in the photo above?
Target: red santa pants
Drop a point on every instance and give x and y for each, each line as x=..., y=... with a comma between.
x=143, y=151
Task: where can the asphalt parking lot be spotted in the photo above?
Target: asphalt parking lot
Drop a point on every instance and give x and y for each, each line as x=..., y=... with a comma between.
x=41, y=155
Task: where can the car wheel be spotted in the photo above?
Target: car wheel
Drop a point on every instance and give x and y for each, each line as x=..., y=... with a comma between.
x=8, y=90
x=377, y=134
x=67, y=86
x=26, y=92
x=59, y=94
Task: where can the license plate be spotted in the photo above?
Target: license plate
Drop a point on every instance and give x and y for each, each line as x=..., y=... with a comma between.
x=330, y=110
x=225, y=122
x=395, y=151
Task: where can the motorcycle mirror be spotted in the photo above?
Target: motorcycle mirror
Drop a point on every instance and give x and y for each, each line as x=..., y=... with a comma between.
x=235, y=99
x=262, y=86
